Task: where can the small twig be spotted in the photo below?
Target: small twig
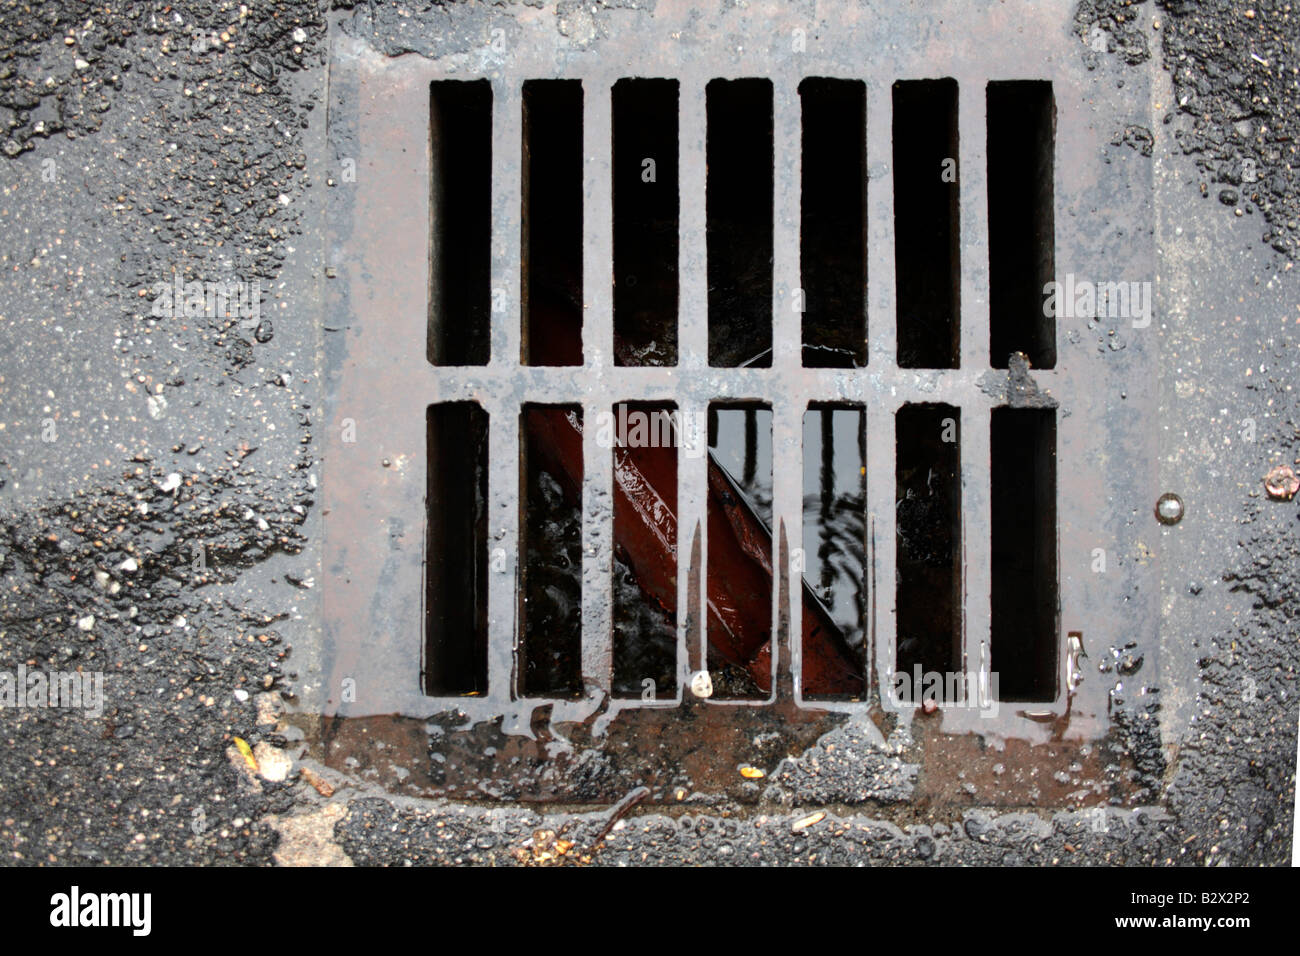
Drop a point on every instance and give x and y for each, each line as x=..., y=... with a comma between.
x=620, y=810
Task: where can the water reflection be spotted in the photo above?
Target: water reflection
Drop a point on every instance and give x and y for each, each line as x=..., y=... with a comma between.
x=834, y=515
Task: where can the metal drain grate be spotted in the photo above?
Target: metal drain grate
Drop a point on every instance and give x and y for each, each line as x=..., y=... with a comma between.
x=813, y=299
x=552, y=657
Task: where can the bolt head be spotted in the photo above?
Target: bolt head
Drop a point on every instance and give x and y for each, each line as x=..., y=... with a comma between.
x=1169, y=508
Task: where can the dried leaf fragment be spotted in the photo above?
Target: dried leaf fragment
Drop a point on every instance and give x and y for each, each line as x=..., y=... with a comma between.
x=246, y=752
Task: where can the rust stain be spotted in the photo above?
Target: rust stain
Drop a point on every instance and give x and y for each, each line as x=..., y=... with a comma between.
x=698, y=746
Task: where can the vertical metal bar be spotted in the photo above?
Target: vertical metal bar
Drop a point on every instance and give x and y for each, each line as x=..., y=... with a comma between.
x=507, y=193
x=692, y=538
x=692, y=253
x=504, y=485
x=882, y=325
x=972, y=175
x=881, y=517
x=787, y=332
x=882, y=338
x=787, y=359
x=598, y=227
x=972, y=180
x=787, y=512
x=975, y=541
x=693, y=337
x=504, y=495
x=598, y=349
x=597, y=551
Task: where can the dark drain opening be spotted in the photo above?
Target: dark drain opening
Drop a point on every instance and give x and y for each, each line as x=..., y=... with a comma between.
x=738, y=200
x=1021, y=141
x=455, y=596
x=1024, y=587
x=740, y=550
x=835, y=525
x=928, y=554
x=552, y=222
x=550, y=647
x=645, y=198
x=645, y=550
x=832, y=230
x=926, y=234
x=460, y=207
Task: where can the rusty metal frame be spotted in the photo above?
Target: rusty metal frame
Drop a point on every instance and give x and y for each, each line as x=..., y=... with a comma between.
x=380, y=379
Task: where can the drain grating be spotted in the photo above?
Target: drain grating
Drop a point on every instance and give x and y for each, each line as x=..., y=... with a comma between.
x=741, y=412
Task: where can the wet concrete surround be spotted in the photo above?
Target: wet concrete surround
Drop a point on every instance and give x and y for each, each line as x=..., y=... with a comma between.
x=163, y=475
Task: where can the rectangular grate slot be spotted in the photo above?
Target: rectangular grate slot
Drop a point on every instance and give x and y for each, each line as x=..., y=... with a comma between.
x=926, y=233
x=460, y=235
x=739, y=572
x=832, y=222
x=645, y=542
x=645, y=200
x=456, y=554
x=835, y=533
x=738, y=201
x=551, y=256
x=928, y=551
x=550, y=651
x=1024, y=564
x=1021, y=167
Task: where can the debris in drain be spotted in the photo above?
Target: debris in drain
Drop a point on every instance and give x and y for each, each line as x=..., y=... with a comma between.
x=809, y=820
x=739, y=549
x=1281, y=483
x=835, y=517
x=645, y=627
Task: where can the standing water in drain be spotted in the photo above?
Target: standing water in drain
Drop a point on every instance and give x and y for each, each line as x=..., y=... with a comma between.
x=740, y=441
x=834, y=518
x=551, y=640
x=928, y=546
x=645, y=509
